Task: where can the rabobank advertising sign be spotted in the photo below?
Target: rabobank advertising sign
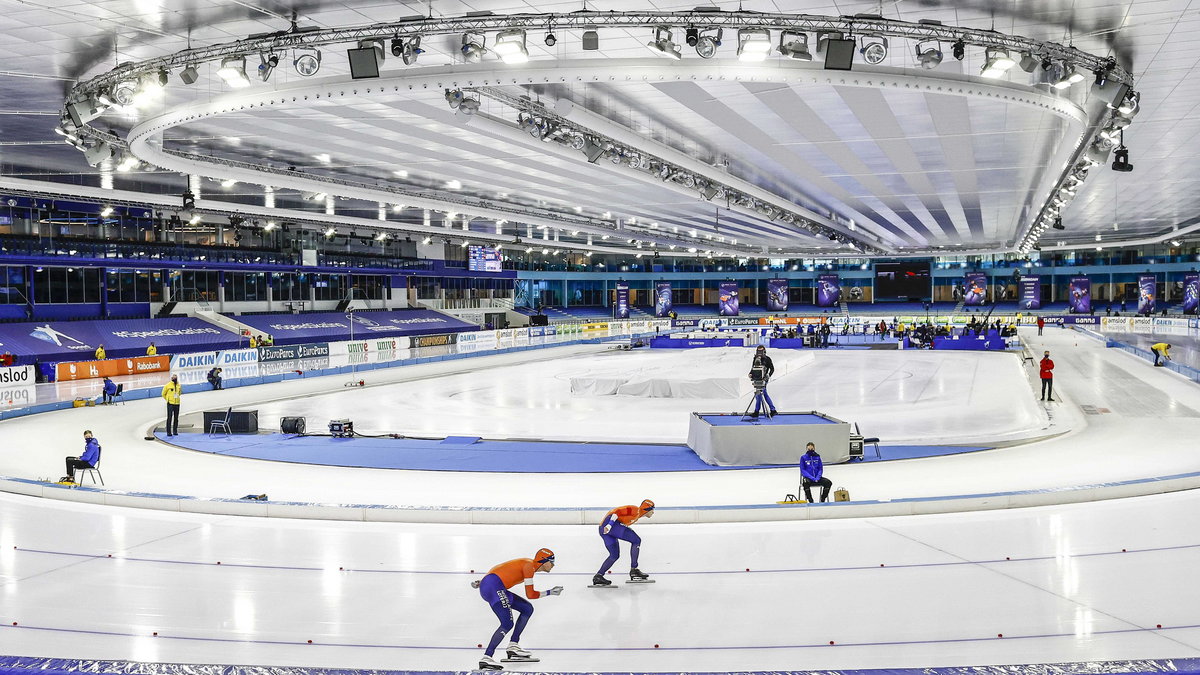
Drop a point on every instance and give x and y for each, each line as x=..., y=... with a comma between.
x=197, y=360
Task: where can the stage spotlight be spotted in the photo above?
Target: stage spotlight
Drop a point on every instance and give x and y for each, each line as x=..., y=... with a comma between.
x=663, y=45
x=1121, y=160
x=592, y=150
x=794, y=45
x=1029, y=62
x=365, y=59
x=1058, y=223
x=307, y=63
x=997, y=64
x=233, y=72
x=753, y=44
x=591, y=41
x=473, y=47
x=82, y=112
x=959, y=49
x=692, y=37
x=469, y=106
x=706, y=45
x=97, y=153
x=1129, y=107
x=412, y=50
x=267, y=65
x=189, y=74
x=454, y=97
x=874, y=49
x=124, y=93
x=929, y=57
x=510, y=46
x=397, y=47
x=1067, y=77
x=550, y=40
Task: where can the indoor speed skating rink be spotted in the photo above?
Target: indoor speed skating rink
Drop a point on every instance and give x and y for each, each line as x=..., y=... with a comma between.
x=1104, y=580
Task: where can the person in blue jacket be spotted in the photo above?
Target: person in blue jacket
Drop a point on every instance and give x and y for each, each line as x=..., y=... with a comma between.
x=91, y=455
x=110, y=390
x=812, y=471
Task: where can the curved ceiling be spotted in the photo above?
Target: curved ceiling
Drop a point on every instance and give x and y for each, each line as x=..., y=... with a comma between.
x=906, y=169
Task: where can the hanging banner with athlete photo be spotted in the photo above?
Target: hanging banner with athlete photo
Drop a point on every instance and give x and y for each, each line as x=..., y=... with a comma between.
x=974, y=289
x=777, y=295
x=829, y=290
x=1191, y=293
x=1030, y=292
x=622, y=300
x=727, y=300
x=1147, y=289
x=1079, y=295
x=662, y=299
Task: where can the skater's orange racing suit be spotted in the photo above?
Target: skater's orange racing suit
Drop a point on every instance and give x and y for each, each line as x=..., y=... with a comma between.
x=626, y=515
x=513, y=572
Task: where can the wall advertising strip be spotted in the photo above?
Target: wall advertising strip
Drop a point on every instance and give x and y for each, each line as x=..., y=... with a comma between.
x=1030, y=292
x=17, y=375
x=288, y=352
x=727, y=299
x=1147, y=289
x=829, y=290
x=589, y=327
x=1079, y=295
x=777, y=295
x=438, y=340
x=82, y=370
x=662, y=299
x=237, y=357
x=974, y=289
x=1191, y=293
x=486, y=339
x=622, y=300
x=196, y=360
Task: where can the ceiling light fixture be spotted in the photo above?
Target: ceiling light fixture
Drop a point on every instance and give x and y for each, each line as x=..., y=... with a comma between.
x=307, y=63
x=959, y=49
x=510, y=46
x=1067, y=77
x=753, y=44
x=412, y=50
x=663, y=45
x=189, y=74
x=874, y=49
x=473, y=47
x=267, y=65
x=1029, y=62
x=997, y=64
x=930, y=57
x=365, y=60
x=794, y=44
x=233, y=72
x=707, y=44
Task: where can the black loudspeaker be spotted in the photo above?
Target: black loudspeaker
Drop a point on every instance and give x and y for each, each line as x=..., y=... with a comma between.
x=539, y=320
x=292, y=425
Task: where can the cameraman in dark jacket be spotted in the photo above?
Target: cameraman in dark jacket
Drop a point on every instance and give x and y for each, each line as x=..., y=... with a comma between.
x=761, y=370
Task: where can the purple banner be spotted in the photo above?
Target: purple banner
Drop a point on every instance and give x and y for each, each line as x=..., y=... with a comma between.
x=290, y=329
x=829, y=290
x=1147, y=287
x=78, y=340
x=777, y=295
x=1191, y=293
x=974, y=289
x=1079, y=295
x=1030, y=293
x=727, y=301
x=662, y=299
x=622, y=300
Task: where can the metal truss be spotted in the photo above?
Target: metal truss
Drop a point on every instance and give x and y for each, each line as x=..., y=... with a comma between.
x=860, y=25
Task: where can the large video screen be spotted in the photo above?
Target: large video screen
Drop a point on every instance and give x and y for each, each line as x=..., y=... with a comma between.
x=908, y=280
x=483, y=259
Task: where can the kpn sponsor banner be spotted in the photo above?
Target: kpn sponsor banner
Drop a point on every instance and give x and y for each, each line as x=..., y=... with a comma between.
x=622, y=300
x=829, y=290
x=777, y=295
x=662, y=299
x=1030, y=292
x=727, y=298
x=1147, y=289
x=974, y=289
x=1191, y=293
x=1079, y=295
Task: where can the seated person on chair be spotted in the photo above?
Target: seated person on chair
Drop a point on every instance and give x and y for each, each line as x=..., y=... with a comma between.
x=812, y=471
x=91, y=455
x=214, y=378
x=110, y=390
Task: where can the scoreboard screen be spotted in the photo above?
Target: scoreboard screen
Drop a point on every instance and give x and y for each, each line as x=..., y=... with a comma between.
x=483, y=259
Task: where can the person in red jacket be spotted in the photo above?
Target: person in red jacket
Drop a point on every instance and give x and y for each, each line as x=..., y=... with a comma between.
x=1047, y=368
x=1041, y=324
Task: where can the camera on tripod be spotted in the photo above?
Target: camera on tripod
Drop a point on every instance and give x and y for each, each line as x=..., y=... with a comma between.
x=758, y=375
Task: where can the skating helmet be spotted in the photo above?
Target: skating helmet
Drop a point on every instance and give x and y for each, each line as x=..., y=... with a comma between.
x=544, y=555
x=647, y=505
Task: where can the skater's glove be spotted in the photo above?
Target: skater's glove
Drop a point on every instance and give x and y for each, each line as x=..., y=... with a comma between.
x=557, y=590
x=475, y=583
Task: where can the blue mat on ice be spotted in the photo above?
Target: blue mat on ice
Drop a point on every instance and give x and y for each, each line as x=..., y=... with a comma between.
x=457, y=454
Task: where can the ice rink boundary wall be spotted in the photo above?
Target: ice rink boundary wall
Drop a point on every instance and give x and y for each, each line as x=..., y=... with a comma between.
x=18, y=665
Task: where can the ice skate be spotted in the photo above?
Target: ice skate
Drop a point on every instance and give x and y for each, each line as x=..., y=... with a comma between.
x=599, y=581
x=518, y=655
x=488, y=663
x=637, y=576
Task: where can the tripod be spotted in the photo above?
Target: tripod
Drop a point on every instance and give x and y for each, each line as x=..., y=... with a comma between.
x=758, y=401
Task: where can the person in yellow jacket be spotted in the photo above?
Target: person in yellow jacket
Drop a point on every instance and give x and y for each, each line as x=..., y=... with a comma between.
x=253, y=342
x=100, y=355
x=1161, y=351
x=151, y=350
x=171, y=392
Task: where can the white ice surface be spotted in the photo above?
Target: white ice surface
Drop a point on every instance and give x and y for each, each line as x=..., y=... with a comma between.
x=891, y=592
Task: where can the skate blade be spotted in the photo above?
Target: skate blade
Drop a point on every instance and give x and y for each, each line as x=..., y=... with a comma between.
x=641, y=581
x=531, y=659
x=602, y=585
